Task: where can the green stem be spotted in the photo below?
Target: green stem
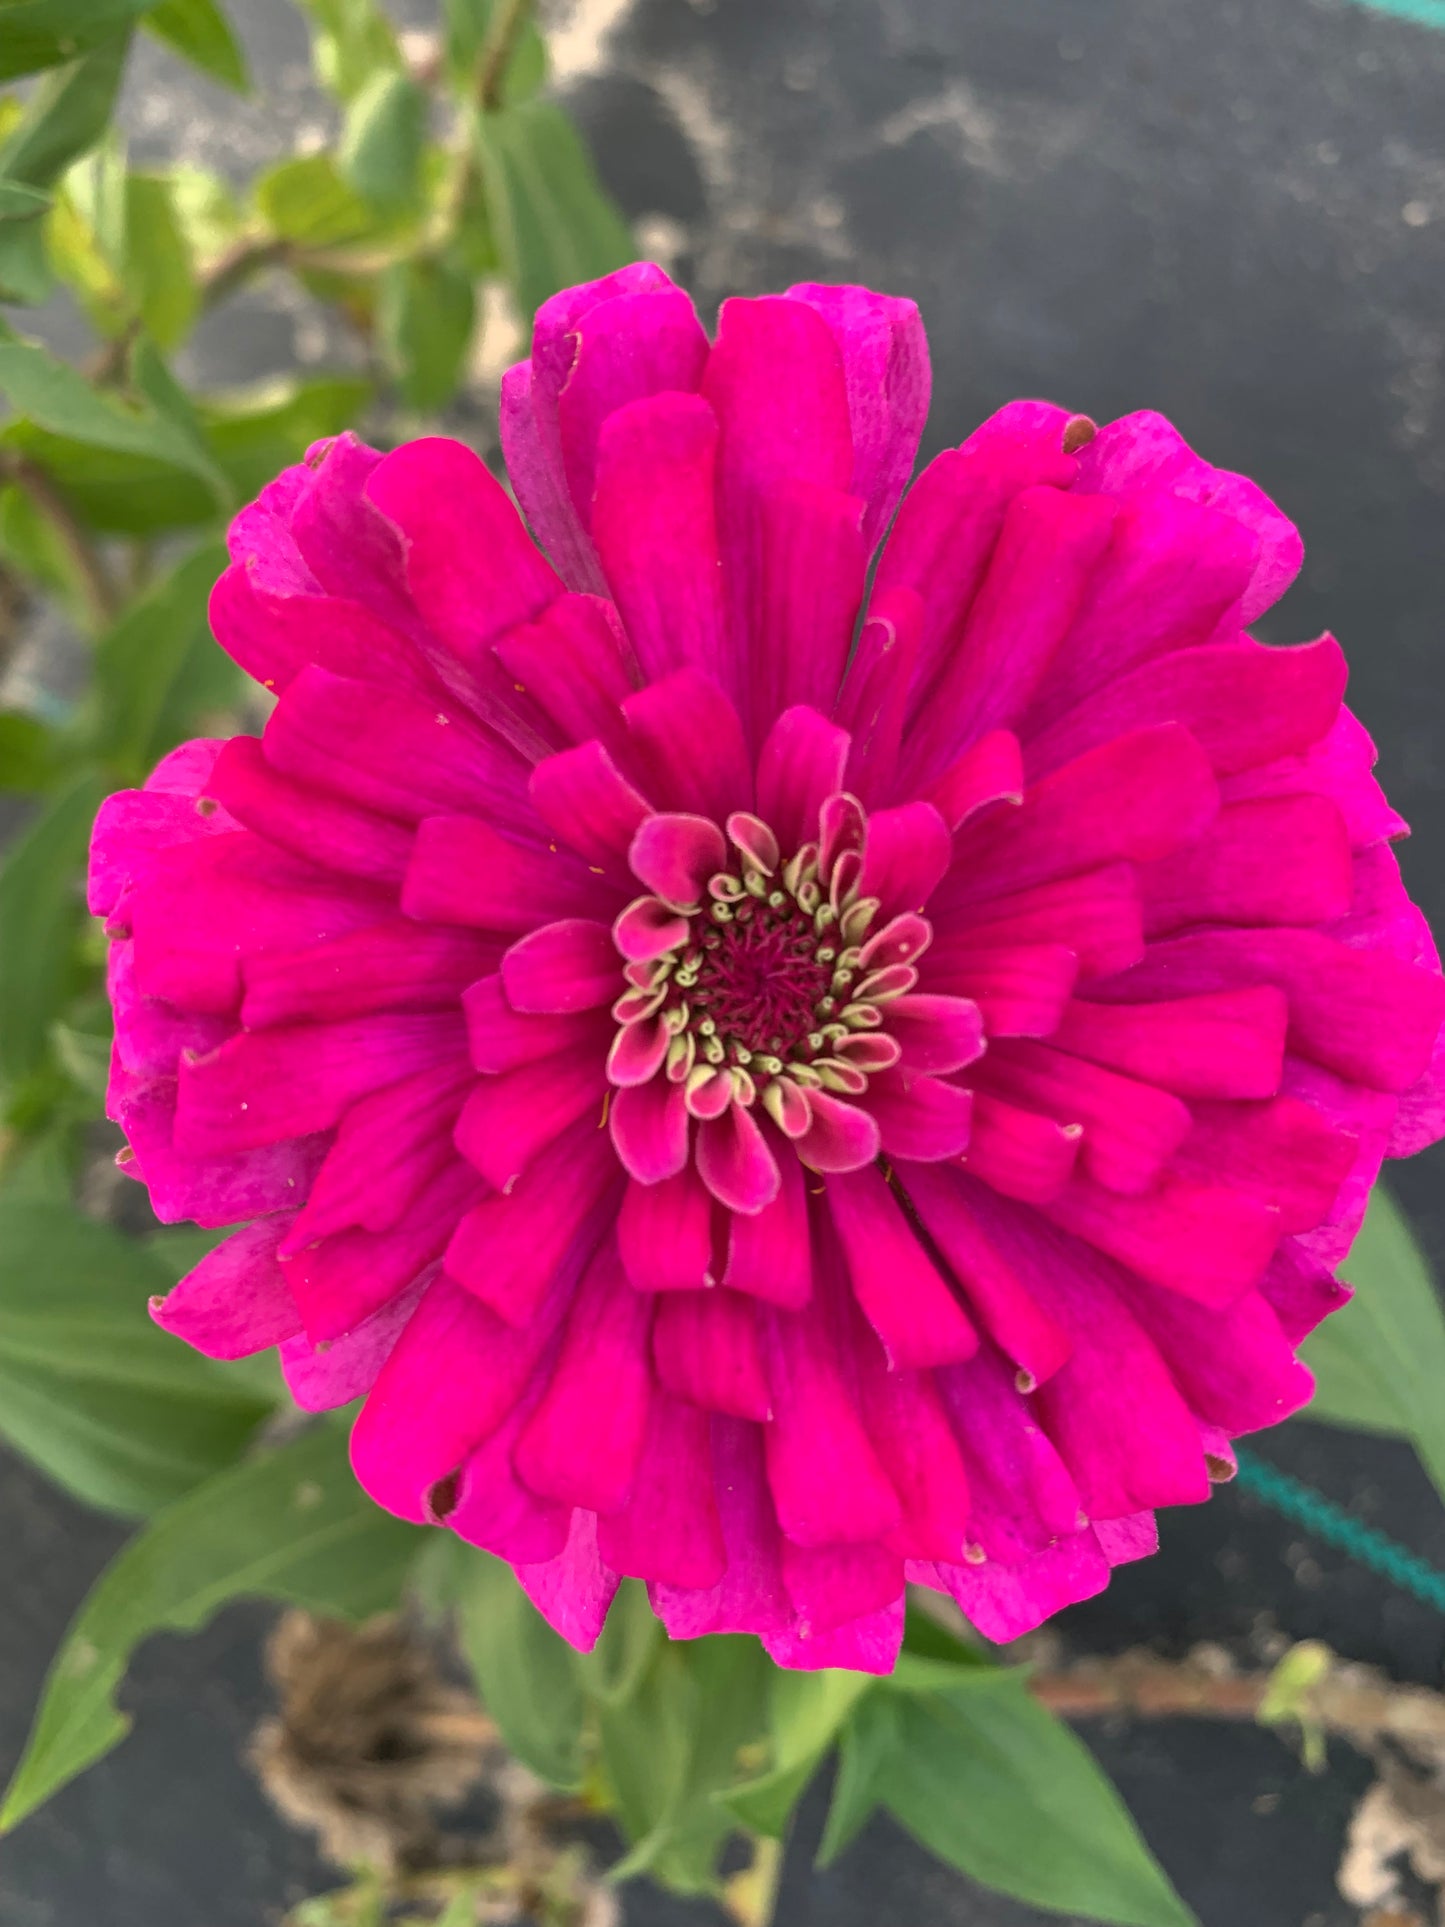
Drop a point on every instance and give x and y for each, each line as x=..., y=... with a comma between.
x=95, y=584
x=497, y=54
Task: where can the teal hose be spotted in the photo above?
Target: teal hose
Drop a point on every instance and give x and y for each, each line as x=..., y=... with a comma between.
x=1329, y=1522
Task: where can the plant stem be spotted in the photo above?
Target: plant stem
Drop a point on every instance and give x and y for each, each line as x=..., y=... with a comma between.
x=96, y=586
x=497, y=54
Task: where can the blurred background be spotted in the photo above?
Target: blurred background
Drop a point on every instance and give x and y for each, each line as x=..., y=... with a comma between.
x=1233, y=213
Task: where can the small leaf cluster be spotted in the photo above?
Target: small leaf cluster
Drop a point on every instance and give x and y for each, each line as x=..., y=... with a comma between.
x=450, y=175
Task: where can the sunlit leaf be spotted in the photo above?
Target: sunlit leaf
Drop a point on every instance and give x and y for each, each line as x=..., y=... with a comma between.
x=469, y=25
x=102, y=1400
x=1379, y=1363
x=159, y=279
x=554, y=224
x=523, y=1670
x=351, y=39
x=201, y=33
x=381, y=144
x=18, y=202
x=292, y=1524
x=869, y=1739
x=138, y=662
x=35, y=34
x=41, y=916
x=306, y=201
x=427, y=312
x=28, y=752
x=66, y=113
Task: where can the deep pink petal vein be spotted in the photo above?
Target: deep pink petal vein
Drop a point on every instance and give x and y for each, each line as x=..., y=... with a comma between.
x=770, y=1093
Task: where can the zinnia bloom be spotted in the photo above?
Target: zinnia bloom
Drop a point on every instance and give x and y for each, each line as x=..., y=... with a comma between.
x=771, y=1079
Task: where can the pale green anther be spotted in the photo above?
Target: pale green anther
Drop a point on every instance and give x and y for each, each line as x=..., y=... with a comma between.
x=809, y=897
x=825, y=1006
x=776, y=899
x=824, y=918
x=724, y=886
x=815, y=1040
x=721, y=913
x=825, y=953
x=708, y=1027
x=841, y=980
x=675, y=1020
x=696, y=1078
x=861, y=1016
x=775, y=1103
x=850, y=958
x=858, y=917
x=741, y=1053
x=834, y=1033
x=755, y=883
x=744, y=1089
x=843, y=1078
x=713, y=1050
x=805, y=1075
x=686, y=977
x=680, y=1054
x=772, y=1065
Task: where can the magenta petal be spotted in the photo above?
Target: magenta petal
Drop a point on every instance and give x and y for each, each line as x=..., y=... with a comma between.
x=735, y=1162
x=669, y=1530
x=654, y=526
x=919, y=1116
x=665, y=1233
x=769, y=1251
x=749, y=1597
x=988, y=771
x=455, y=1373
x=800, y=765
x=390, y=1144
x=322, y=1377
x=906, y=855
x=581, y=794
x=582, y=1444
x=1004, y=1602
x=690, y=745
x=705, y=1344
x=867, y=1645
x=919, y=1321
x=235, y=1301
x=841, y=1137
x=832, y=1585
x=573, y=1591
x=462, y=871
x=500, y=1038
x=1226, y=1044
x=915, y=1444
x=675, y=855
x=649, y=1129
x=310, y=824
x=494, y=1510
x=564, y=967
x=509, y=1118
x=885, y=368
x=389, y=966
x=937, y=1033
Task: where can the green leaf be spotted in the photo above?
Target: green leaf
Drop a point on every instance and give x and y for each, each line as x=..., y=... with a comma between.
x=292, y=1524
x=27, y=752
x=41, y=917
x=154, y=380
x=253, y=434
x=468, y=24
x=91, y=1391
x=158, y=276
x=18, y=202
x=671, y=1749
x=201, y=33
x=208, y=212
x=426, y=313
x=1379, y=1363
x=613, y=1670
x=868, y=1742
x=59, y=398
x=85, y=1059
x=138, y=662
x=554, y=224
x=806, y=1713
x=351, y=39
x=381, y=144
x=35, y=34
x=65, y=114
x=995, y=1786
x=522, y=1668
x=306, y=201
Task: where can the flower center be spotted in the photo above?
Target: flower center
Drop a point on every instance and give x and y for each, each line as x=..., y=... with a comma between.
x=773, y=980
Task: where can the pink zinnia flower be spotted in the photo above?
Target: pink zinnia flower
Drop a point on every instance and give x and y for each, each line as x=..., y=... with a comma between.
x=773, y=1106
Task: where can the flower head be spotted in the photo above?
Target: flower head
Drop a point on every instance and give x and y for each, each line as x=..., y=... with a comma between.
x=770, y=1081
